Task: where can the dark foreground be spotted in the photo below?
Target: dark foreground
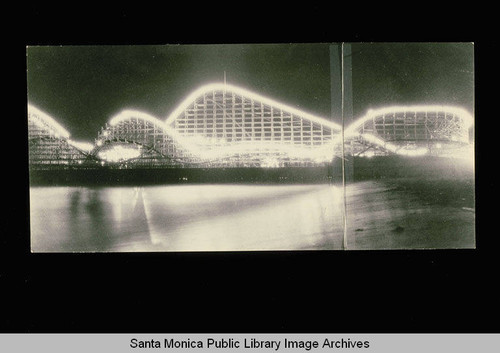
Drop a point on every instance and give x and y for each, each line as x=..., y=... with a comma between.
x=163, y=176
x=353, y=169
x=410, y=214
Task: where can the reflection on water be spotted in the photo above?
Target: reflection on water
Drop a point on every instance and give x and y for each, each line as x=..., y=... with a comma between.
x=186, y=218
x=243, y=217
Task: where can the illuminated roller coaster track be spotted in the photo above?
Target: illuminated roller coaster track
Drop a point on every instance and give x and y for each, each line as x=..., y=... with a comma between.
x=413, y=130
x=225, y=125
x=50, y=143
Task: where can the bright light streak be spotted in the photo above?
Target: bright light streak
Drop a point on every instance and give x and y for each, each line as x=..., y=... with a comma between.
x=249, y=95
x=82, y=146
x=415, y=152
x=129, y=113
x=460, y=112
x=377, y=141
x=206, y=150
x=45, y=121
x=410, y=152
x=368, y=154
x=270, y=163
x=119, y=153
x=213, y=149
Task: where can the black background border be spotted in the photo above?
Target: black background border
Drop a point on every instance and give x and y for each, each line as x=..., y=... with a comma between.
x=431, y=291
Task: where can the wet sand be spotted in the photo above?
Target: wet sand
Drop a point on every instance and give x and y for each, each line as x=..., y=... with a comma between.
x=410, y=214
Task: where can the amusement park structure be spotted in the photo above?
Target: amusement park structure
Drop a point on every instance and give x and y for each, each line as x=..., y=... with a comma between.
x=224, y=126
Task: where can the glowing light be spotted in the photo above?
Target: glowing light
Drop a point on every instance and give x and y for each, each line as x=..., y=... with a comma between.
x=119, y=153
x=263, y=147
x=413, y=152
x=45, y=121
x=391, y=147
x=270, y=163
x=249, y=95
x=376, y=141
x=213, y=148
x=128, y=114
x=368, y=154
x=460, y=112
x=82, y=146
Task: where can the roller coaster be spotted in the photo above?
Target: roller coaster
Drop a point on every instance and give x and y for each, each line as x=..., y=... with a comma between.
x=221, y=125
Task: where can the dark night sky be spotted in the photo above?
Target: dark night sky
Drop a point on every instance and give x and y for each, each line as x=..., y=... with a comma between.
x=82, y=87
x=412, y=73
